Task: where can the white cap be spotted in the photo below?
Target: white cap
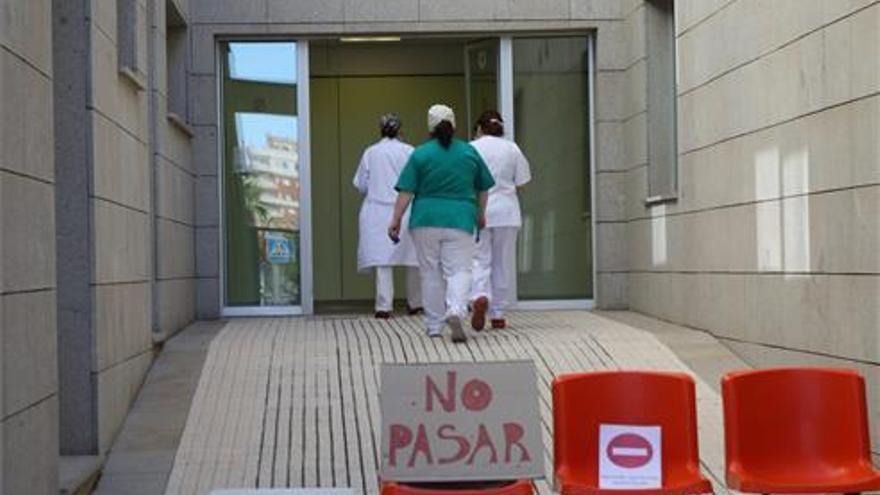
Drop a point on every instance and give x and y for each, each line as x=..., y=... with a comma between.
x=439, y=113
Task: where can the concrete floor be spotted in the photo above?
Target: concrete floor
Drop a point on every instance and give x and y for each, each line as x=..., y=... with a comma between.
x=143, y=454
x=200, y=420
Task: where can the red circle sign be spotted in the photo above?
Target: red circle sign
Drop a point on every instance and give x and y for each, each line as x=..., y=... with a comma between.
x=629, y=450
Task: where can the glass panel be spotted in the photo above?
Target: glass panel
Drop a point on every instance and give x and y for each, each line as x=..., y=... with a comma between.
x=261, y=175
x=552, y=128
x=251, y=62
x=482, y=83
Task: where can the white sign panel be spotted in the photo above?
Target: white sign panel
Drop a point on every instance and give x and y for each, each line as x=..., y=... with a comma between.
x=629, y=457
x=461, y=421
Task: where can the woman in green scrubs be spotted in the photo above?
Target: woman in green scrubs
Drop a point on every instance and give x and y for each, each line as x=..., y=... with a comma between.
x=447, y=182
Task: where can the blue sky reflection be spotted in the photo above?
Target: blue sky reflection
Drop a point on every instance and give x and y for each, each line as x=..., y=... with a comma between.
x=263, y=61
x=253, y=128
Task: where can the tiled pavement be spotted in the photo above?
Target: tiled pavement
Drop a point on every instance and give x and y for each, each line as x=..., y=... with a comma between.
x=293, y=401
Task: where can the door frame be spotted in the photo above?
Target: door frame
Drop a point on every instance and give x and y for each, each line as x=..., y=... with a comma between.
x=506, y=108
x=306, y=305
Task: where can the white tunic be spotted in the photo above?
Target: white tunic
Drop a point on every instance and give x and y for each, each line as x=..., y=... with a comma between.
x=510, y=169
x=375, y=178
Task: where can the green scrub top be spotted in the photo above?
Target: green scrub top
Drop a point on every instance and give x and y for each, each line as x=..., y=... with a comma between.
x=445, y=183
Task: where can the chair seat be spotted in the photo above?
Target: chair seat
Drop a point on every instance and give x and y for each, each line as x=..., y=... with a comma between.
x=797, y=430
x=583, y=402
x=844, y=480
x=683, y=487
x=517, y=487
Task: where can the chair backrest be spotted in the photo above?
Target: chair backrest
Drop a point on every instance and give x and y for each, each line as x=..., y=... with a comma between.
x=813, y=418
x=583, y=401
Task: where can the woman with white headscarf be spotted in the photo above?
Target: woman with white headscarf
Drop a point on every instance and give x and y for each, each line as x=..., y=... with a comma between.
x=447, y=182
x=375, y=178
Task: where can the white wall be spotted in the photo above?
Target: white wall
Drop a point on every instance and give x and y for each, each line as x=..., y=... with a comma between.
x=774, y=241
x=28, y=375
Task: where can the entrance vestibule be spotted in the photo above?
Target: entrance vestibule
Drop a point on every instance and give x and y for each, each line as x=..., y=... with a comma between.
x=540, y=84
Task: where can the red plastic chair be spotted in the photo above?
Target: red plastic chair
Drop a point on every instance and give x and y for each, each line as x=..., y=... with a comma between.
x=797, y=430
x=583, y=401
x=519, y=487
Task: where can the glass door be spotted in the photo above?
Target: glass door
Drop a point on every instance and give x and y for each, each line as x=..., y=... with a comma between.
x=262, y=179
x=541, y=87
x=481, y=79
x=551, y=105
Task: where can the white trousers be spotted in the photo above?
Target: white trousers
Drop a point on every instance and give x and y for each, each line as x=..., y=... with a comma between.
x=495, y=269
x=385, y=288
x=445, y=260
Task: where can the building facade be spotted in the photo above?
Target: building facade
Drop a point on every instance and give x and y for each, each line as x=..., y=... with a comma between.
x=29, y=399
x=712, y=163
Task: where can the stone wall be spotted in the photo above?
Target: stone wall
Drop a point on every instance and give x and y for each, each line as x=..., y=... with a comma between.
x=121, y=204
x=28, y=374
x=620, y=152
x=126, y=199
x=174, y=175
x=774, y=241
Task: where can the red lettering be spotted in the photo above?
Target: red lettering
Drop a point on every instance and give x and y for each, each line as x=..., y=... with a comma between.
x=463, y=445
x=400, y=437
x=421, y=445
x=513, y=433
x=431, y=389
x=476, y=395
x=484, y=440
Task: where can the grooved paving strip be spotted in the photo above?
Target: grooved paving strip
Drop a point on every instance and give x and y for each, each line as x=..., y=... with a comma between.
x=293, y=402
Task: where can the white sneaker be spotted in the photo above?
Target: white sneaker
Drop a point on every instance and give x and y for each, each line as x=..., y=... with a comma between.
x=435, y=332
x=458, y=335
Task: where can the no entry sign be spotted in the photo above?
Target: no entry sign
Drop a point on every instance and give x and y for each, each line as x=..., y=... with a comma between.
x=629, y=450
x=629, y=457
x=460, y=421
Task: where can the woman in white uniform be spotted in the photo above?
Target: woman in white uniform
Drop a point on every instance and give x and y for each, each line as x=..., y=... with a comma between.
x=375, y=178
x=494, y=273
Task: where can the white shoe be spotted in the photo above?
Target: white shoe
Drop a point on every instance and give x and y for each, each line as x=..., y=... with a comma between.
x=458, y=335
x=435, y=332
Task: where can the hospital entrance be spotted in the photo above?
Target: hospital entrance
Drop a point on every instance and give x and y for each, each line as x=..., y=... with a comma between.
x=274, y=259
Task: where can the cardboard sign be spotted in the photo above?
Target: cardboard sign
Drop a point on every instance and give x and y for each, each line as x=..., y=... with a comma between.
x=277, y=249
x=629, y=457
x=460, y=421
x=284, y=491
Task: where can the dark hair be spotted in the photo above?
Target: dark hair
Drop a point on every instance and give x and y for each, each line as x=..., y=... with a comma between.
x=389, y=131
x=389, y=125
x=443, y=132
x=490, y=123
